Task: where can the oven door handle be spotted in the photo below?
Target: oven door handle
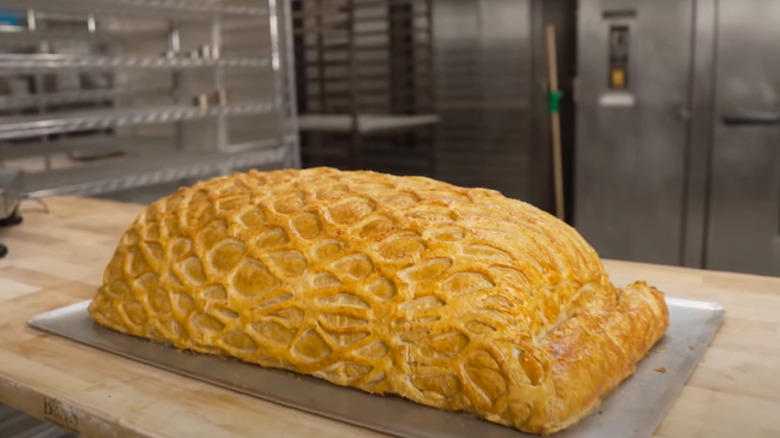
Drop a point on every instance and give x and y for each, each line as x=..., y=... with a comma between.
x=752, y=118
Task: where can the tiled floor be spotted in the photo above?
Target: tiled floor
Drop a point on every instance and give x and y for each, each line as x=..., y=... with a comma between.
x=15, y=424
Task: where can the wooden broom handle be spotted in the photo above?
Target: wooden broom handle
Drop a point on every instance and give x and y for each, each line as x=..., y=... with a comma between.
x=552, y=72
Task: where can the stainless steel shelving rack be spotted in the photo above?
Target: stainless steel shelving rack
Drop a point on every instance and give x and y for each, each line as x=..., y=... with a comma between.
x=207, y=91
x=177, y=100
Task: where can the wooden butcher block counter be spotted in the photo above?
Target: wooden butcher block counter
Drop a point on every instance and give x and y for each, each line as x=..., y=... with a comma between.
x=57, y=258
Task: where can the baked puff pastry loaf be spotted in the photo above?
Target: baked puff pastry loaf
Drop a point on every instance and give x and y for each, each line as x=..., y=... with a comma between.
x=455, y=298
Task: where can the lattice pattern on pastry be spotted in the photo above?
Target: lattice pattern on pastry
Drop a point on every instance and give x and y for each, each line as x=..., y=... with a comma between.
x=402, y=285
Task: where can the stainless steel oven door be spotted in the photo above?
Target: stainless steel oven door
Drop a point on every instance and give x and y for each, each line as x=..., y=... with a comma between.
x=743, y=231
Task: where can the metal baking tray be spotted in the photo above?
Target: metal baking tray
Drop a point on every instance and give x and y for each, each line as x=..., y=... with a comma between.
x=633, y=410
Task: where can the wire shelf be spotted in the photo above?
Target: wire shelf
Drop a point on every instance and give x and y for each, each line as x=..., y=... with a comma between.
x=31, y=126
x=13, y=63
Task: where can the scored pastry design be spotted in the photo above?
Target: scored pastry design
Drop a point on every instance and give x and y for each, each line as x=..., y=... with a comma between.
x=459, y=299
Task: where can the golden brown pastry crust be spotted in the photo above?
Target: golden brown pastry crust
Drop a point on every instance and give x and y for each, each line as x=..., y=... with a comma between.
x=456, y=298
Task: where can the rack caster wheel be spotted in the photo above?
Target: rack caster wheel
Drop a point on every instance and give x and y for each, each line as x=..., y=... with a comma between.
x=12, y=220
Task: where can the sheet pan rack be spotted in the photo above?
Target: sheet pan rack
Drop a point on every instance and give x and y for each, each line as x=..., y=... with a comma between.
x=365, y=84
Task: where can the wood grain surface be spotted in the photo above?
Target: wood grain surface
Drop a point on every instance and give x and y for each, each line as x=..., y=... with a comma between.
x=57, y=258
